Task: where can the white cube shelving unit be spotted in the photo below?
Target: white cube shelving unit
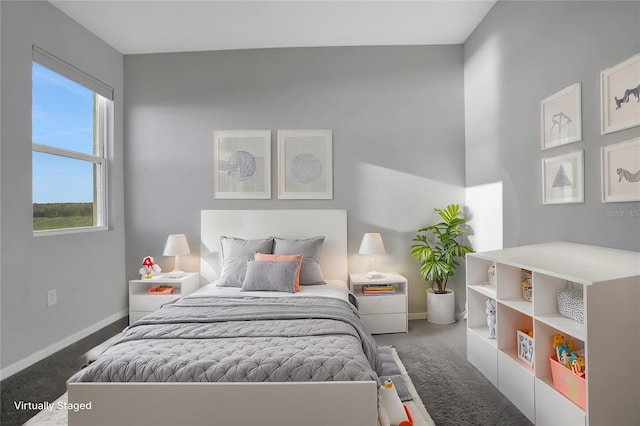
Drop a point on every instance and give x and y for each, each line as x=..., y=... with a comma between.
x=610, y=335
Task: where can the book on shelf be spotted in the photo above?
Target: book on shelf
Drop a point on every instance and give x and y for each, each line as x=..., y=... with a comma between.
x=378, y=289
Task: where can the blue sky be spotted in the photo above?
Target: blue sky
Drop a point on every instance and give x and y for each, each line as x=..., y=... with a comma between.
x=62, y=116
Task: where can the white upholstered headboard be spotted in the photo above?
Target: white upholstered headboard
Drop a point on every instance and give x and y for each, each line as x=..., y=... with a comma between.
x=295, y=224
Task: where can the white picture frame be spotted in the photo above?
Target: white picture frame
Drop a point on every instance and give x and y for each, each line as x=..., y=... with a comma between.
x=621, y=171
x=563, y=178
x=305, y=164
x=242, y=164
x=561, y=117
x=620, y=96
x=525, y=348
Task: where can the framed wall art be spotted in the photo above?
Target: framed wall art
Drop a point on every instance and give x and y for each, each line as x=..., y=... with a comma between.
x=242, y=164
x=561, y=117
x=563, y=178
x=620, y=96
x=621, y=171
x=305, y=164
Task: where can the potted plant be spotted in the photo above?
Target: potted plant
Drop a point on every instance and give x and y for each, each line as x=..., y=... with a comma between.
x=437, y=247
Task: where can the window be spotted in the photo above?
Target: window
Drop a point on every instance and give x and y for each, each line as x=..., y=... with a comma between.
x=71, y=125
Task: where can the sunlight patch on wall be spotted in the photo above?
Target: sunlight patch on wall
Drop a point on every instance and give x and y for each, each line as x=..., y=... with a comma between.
x=400, y=201
x=484, y=212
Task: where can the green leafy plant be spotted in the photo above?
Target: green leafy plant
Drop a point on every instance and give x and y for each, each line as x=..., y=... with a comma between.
x=438, y=256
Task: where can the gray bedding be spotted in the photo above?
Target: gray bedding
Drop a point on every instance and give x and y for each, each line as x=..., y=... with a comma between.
x=241, y=339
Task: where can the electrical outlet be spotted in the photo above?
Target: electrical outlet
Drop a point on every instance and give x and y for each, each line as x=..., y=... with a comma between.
x=52, y=297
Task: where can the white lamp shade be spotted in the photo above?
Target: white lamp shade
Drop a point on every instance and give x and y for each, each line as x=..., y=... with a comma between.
x=372, y=244
x=176, y=245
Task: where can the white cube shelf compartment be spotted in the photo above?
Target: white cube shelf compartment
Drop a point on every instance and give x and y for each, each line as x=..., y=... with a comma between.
x=142, y=303
x=610, y=282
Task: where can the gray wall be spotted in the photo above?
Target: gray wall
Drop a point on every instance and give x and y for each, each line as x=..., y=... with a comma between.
x=398, y=139
x=86, y=269
x=399, y=116
x=521, y=53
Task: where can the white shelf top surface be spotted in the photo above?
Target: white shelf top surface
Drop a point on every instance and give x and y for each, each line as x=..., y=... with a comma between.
x=581, y=263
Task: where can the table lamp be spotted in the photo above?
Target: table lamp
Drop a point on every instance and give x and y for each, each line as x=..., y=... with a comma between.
x=176, y=246
x=372, y=245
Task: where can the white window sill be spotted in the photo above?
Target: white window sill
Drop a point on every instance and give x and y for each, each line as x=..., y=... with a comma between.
x=68, y=231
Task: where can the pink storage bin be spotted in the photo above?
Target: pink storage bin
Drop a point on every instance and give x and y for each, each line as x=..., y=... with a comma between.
x=568, y=383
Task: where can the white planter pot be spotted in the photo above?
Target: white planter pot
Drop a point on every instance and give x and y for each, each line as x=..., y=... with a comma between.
x=441, y=307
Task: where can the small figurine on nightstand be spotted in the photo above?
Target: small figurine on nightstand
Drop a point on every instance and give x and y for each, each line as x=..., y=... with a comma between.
x=149, y=269
x=491, y=318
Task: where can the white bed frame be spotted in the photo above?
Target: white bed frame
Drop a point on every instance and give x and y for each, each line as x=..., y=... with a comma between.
x=241, y=404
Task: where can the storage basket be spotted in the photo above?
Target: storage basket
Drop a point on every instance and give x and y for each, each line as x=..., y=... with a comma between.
x=568, y=383
x=527, y=287
x=570, y=303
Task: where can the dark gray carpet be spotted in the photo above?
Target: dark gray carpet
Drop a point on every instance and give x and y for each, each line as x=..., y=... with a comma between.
x=46, y=380
x=452, y=390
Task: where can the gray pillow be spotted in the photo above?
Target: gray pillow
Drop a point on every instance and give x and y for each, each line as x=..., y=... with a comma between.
x=235, y=254
x=310, y=273
x=270, y=275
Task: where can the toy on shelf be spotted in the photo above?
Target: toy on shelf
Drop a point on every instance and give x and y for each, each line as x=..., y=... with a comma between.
x=574, y=361
x=491, y=317
x=558, y=339
x=491, y=274
x=149, y=269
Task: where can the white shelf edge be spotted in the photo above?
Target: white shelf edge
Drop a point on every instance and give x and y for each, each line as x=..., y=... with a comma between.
x=563, y=324
x=170, y=296
x=484, y=288
x=483, y=332
x=519, y=305
x=359, y=293
x=513, y=354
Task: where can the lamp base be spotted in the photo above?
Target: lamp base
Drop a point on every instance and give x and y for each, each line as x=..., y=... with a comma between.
x=372, y=275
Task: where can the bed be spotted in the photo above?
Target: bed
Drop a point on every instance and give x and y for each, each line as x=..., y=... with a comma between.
x=228, y=355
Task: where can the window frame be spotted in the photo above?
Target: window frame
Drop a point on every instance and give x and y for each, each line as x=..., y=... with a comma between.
x=103, y=139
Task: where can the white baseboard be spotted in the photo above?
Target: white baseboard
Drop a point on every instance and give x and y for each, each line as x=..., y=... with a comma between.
x=16, y=367
x=417, y=315
x=423, y=316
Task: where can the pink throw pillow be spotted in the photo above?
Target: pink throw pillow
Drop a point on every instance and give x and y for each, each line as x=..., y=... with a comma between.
x=282, y=257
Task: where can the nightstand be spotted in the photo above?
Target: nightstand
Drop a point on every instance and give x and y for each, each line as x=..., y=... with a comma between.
x=385, y=313
x=141, y=302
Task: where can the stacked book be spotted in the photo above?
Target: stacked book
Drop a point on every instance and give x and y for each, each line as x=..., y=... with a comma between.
x=373, y=289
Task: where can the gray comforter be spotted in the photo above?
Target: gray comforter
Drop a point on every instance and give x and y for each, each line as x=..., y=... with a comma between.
x=241, y=339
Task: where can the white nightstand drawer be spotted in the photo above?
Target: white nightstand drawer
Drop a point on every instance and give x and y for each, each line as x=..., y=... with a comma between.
x=387, y=304
x=140, y=302
x=385, y=323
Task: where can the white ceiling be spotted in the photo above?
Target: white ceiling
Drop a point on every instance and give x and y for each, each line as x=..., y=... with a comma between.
x=151, y=26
